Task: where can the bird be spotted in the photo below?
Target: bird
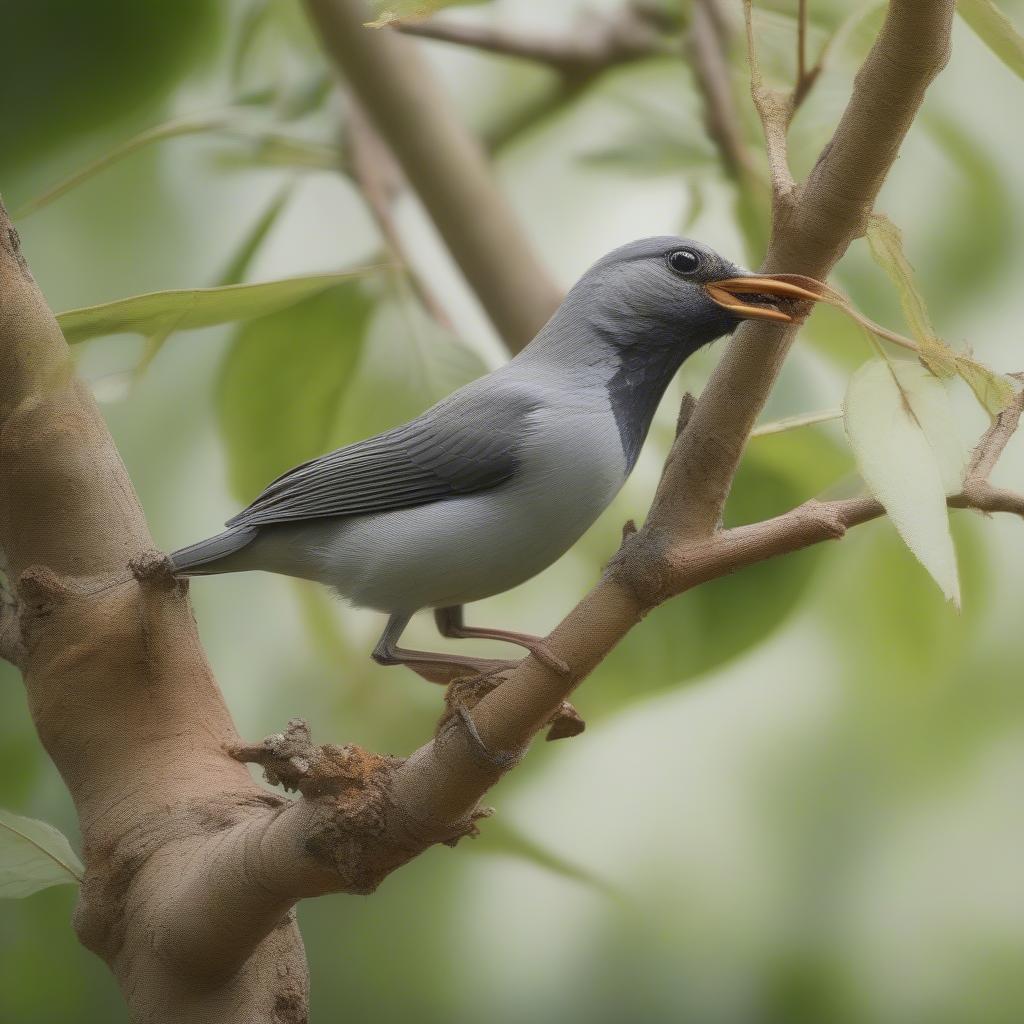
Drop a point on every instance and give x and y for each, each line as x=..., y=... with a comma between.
x=495, y=482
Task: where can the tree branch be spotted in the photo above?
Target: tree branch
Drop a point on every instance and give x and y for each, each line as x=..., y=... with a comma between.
x=380, y=180
x=12, y=648
x=633, y=32
x=705, y=44
x=118, y=687
x=445, y=166
x=775, y=110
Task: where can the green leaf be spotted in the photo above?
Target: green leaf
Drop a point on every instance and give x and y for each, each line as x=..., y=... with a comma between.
x=886, y=244
x=993, y=390
x=409, y=363
x=996, y=31
x=254, y=238
x=498, y=836
x=192, y=124
x=188, y=309
x=283, y=381
x=386, y=12
x=964, y=252
x=899, y=424
x=34, y=856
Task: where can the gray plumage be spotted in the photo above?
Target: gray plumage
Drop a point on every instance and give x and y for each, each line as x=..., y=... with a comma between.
x=495, y=482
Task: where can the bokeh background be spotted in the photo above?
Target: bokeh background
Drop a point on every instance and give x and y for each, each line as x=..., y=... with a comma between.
x=798, y=798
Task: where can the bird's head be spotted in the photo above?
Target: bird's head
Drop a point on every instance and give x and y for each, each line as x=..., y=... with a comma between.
x=669, y=292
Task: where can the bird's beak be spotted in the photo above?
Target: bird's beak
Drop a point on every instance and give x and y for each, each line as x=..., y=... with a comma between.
x=759, y=298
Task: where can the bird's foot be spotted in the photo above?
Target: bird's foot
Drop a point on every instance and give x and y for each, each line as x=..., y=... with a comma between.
x=450, y=624
x=442, y=668
x=499, y=759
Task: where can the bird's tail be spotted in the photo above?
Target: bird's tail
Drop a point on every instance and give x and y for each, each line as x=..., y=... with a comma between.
x=212, y=555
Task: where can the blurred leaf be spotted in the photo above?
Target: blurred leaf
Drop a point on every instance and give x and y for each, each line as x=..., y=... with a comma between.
x=188, y=309
x=964, y=251
x=191, y=124
x=283, y=380
x=656, y=139
x=648, y=156
x=409, y=363
x=996, y=31
x=498, y=836
x=386, y=12
x=753, y=214
x=73, y=69
x=886, y=244
x=236, y=269
x=900, y=427
x=698, y=203
x=34, y=856
x=267, y=148
x=305, y=96
x=251, y=24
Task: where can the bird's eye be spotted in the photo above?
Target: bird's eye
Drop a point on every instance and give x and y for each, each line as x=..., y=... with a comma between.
x=683, y=261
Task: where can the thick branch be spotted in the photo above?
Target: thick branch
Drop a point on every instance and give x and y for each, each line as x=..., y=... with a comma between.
x=445, y=166
x=12, y=648
x=117, y=683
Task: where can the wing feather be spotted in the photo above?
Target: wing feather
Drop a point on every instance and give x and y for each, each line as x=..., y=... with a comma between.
x=466, y=443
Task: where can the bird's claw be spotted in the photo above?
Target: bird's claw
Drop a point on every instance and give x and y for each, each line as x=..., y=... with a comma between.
x=500, y=760
x=550, y=660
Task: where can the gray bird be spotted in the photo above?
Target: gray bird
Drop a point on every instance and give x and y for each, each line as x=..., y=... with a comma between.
x=498, y=480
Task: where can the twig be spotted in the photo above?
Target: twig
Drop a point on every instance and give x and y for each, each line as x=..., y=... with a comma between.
x=994, y=440
x=775, y=110
x=706, y=46
x=445, y=166
x=380, y=180
x=632, y=33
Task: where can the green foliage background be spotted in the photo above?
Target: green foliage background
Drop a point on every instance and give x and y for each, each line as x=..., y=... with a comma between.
x=798, y=797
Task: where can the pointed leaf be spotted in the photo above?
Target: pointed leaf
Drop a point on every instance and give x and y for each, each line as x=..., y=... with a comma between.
x=995, y=391
x=254, y=238
x=189, y=309
x=886, y=244
x=191, y=124
x=498, y=836
x=387, y=12
x=283, y=381
x=996, y=31
x=893, y=414
x=34, y=856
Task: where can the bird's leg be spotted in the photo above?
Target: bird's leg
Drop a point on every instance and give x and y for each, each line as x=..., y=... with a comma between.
x=438, y=668
x=450, y=624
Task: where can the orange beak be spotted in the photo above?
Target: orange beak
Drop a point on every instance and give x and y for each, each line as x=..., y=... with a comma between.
x=729, y=294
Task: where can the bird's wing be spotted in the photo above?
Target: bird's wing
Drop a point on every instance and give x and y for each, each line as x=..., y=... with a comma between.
x=465, y=443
